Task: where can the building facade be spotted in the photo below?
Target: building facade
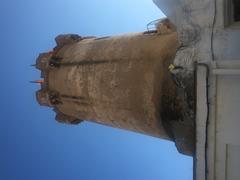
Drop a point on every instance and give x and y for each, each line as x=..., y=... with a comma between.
x=209, y=34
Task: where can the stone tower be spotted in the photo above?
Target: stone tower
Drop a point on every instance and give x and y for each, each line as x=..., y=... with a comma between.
x=120, y=81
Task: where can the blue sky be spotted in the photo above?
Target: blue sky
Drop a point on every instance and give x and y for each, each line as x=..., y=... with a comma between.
x=33, y=146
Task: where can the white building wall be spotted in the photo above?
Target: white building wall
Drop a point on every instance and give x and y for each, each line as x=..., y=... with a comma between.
x=207, y=37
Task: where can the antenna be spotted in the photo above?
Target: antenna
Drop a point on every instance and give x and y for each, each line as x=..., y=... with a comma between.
x=40, y=81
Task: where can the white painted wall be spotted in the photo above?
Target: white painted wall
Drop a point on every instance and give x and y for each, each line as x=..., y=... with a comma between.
x=205, y=38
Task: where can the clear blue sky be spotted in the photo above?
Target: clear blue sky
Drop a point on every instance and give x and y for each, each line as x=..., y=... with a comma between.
x=33, y=146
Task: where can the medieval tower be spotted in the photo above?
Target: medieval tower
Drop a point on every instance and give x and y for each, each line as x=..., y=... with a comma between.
x=120, y=81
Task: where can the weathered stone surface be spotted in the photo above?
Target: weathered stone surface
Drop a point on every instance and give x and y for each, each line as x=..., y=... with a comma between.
x=115, y=81
x=178, y=111
x=120, y=81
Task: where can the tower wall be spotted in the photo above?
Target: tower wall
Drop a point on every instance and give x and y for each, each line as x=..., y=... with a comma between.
x=117, y=81
x=126, y=82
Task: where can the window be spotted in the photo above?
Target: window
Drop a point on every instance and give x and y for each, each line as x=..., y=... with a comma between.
x=232, y=12
x=236, y=10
